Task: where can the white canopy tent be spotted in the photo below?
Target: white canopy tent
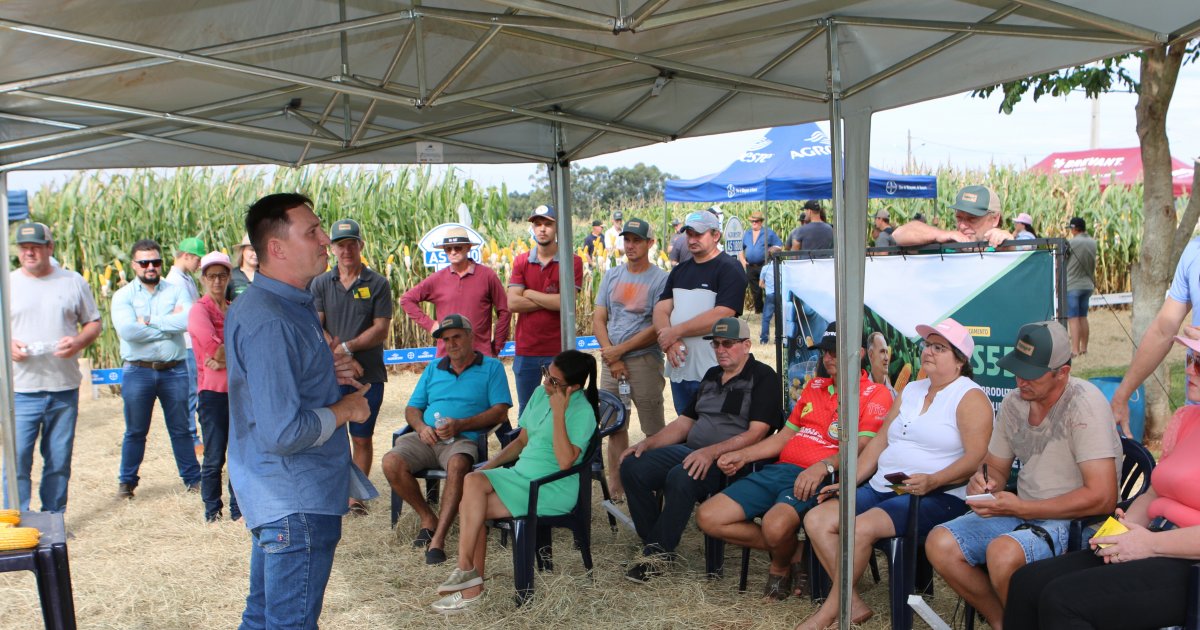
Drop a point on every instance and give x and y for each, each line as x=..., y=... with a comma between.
x=103, y=83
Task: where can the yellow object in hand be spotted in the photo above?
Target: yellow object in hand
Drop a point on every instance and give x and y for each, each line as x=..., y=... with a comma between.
x=1111, y=527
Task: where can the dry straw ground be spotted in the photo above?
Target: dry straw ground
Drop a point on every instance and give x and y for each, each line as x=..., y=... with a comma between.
x=152, y=563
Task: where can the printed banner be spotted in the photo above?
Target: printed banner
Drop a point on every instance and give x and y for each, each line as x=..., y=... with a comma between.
x=993, y=294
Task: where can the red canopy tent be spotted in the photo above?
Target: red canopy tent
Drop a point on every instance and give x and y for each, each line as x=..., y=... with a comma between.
x=1119, y=166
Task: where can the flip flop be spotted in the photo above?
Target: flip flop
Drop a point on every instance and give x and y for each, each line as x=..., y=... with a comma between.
x=799, y=579
x=358, y=508
x=424, y=537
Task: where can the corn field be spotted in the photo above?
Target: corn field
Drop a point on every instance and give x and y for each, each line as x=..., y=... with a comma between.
x=96, y=217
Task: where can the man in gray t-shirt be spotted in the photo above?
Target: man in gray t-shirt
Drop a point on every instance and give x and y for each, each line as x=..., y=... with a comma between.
x=54, y=317
x=1081, y=281
x=623, y=323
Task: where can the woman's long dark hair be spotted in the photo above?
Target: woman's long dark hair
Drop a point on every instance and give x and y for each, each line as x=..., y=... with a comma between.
x=579, y=368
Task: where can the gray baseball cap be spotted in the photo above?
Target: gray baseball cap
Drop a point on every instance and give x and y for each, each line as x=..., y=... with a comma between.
x=977, y=201
x=1041, y=347
x=346, y=228
x=702, y=221
x=449, y=322
x=730, y=328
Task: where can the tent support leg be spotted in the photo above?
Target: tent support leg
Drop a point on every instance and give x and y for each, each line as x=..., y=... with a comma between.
x=560, y=184
x=8, y=415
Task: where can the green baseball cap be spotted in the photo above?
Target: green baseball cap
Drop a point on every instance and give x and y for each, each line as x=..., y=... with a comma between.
x=730, y=328
x=31, y=232
x=449, y=322
x=639, y=228
x=346, y=228
x=193, y=246
x=977, y=201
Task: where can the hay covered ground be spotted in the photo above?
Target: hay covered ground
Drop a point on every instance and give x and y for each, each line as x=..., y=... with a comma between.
x=152, y=563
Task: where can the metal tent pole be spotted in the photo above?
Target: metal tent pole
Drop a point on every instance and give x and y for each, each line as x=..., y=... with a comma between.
x=8, y=422
x=560, y=177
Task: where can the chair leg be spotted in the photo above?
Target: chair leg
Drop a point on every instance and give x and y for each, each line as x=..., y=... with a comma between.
x=874, y=567
x=524, y=551
x=819, y=583
x=745, y=570
x=598, y=473
x=432, y=488
x=714, y=556
x=545, y=549
x=397, y=505
x=901, y=585
x=583, y=541
x=969, y=613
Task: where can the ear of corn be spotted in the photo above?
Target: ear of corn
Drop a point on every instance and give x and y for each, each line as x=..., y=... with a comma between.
x=18, y=538
x=11, y=517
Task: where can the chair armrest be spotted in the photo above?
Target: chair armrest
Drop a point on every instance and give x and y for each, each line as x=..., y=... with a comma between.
x=584, y=466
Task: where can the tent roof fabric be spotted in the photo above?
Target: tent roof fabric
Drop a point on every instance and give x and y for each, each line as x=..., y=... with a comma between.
x=1122, y=167
x=790, y=163
x=121, y=83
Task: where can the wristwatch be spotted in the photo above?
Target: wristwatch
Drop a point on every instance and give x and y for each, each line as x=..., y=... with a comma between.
x=346, y=348
x=828, y=467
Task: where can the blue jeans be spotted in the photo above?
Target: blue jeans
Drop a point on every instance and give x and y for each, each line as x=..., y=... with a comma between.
x=290, y=561
x=192, y=384
x=140, y=386
x=214, y=422
x=768, y=313
x=528, y=373
x=52, y=415
x=974, y=533
x=682, y=395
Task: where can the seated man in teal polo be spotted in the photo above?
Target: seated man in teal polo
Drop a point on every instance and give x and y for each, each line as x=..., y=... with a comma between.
x=458, y=397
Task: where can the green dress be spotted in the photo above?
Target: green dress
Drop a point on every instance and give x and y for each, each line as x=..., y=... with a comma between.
x=537, y=458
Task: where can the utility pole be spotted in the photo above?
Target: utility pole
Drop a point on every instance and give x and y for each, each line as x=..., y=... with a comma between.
x=1095, y=139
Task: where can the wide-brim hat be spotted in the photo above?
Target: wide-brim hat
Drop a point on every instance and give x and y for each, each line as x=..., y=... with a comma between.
x=456, y=236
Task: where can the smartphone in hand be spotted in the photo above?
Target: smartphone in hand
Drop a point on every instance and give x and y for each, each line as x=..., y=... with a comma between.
x=986, y=496
x=897, y=480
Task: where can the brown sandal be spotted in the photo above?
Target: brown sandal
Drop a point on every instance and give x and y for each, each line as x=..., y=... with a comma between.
x=778, y=587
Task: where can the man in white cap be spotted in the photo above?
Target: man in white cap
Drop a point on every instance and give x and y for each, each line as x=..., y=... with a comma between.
x=1060, y=428
x=54, y=317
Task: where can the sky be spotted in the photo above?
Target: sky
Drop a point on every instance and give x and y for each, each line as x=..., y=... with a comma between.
x=957, y=131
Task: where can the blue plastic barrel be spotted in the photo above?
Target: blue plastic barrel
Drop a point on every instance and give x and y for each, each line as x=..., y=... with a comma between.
x=1137, y=402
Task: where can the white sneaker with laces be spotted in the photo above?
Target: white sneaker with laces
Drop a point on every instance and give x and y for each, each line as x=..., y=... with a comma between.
x=454, y=603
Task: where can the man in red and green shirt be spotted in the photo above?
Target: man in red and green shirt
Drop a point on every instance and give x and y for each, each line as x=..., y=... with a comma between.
x=782, y=492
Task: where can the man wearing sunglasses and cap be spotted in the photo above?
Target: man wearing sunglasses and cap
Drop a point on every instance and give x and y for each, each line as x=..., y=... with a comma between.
x=1061, y=429
x=736, y=405
x=464, y=287
x=151, y=318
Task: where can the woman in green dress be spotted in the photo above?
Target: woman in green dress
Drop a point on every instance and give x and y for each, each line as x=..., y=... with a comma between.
x=558, y=421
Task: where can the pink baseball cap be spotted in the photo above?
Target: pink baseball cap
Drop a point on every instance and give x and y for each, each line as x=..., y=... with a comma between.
x=954, y=332
x=1024, y=218
x=215, y=258
x=1189, y=343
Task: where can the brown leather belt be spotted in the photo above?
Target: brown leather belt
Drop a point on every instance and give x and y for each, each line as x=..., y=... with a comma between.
x=156, y=365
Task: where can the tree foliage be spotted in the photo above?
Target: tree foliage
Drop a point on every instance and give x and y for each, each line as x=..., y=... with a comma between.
x=596, y=190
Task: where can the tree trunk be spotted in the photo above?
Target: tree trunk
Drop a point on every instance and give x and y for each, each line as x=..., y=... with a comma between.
x=1162, y=235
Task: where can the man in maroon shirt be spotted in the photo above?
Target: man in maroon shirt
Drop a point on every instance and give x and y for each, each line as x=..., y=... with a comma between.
x=464, y=287
x=533, y=292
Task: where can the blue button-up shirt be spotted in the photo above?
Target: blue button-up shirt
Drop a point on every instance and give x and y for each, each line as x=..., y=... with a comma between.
x=756, y=251
x=286, y=454
x=162, y=338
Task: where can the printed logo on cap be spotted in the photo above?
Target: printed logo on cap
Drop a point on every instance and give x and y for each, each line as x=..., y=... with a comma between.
x=540, y=210
x=721, y=328
x=970, y=197
x=1025, y=348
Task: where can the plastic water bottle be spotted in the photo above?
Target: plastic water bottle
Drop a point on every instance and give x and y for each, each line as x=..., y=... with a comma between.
x=623, y=390
x=39, y=348
x=442, y=423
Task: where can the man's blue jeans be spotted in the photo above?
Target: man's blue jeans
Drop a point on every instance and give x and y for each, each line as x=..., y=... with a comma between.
x=683, y=393
x=214, y=421
x=192, y=405
x=768, y=314
x=52, y=415
x=290, y=561
x=140, y=386
x=528, y=373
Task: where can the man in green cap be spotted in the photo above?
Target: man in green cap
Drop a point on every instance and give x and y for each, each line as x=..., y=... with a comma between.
x=977, y=217
x=187, y=262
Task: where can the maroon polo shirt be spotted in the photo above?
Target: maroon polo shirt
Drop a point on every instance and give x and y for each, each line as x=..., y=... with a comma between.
x=474, y=295
x=537, y=331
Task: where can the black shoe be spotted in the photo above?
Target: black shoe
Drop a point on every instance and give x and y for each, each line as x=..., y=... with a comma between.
x=125, y=490
x=433, y=555
x=212, y=518
x=642, y=572
x=193, y=488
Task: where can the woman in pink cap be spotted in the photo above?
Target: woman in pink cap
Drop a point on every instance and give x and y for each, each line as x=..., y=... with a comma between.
x=933, y=438
x=1023, y=227
x=206, y=325
x=1138, y=578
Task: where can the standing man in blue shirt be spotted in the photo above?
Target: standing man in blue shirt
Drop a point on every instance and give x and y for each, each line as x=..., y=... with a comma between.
x=289, y=451
x=756, y=242
x=151, y=319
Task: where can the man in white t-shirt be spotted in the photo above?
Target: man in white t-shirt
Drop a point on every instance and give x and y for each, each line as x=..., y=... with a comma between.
x=54, y=317
x=1061, y=429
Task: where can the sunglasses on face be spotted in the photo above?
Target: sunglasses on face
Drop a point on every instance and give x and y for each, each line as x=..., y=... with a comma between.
x=756, y=220
x=151, y=262
x=550, y=379
x=1193, y=362
x=455, y=248
x=725, y=343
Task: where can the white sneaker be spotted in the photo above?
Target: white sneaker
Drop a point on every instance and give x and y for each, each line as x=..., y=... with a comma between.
x=454, y=603
x=460, y=580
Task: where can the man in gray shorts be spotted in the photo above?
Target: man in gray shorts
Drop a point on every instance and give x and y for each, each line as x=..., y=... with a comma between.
x=1061, y=429
x=458, y=399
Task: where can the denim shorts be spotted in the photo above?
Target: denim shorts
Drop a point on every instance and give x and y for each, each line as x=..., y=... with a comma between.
x=1078, y=302
x=758, y=492
x=936, y=508
x=974, y=533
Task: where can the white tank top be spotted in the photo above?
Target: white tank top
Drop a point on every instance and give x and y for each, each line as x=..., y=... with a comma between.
x=924, y=442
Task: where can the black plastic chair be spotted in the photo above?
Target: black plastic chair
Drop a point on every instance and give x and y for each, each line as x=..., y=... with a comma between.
x=531, y=533
x=51, y=570
x=434, y=476
x=613, y=417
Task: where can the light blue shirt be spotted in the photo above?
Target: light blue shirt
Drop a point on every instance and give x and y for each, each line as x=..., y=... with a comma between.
x=286, y=454
x=480, y=387
x=162, y=339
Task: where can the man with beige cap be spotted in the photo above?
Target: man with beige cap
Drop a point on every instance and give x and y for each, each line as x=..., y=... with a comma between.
x=976, y=216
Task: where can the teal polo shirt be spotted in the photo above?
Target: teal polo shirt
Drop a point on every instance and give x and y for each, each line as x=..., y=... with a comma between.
x=480, y=386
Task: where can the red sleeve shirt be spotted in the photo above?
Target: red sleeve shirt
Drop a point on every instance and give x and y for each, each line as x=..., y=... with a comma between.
x=537, y=332
x=815, y=419
x=475, y=294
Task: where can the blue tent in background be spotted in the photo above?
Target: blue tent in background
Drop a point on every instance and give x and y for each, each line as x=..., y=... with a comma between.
x=790, y=163
x=18, y=205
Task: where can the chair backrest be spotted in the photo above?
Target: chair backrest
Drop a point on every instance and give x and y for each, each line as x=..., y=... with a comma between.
x=1135, y=470
x=613, y=415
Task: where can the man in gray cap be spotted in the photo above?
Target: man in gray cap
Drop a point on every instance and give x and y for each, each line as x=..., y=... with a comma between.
x=737, y=405
x=883, y=229
x=612, y=236
x=977, y=218
x=54, y=317
x=700, y=291
x=354, y=304
x=1061, y=429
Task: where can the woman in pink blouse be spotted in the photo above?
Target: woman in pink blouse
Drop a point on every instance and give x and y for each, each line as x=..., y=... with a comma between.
x=206, y=325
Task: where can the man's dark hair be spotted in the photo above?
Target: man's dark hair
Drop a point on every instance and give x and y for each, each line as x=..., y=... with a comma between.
x=144, y=245
x=268, y=217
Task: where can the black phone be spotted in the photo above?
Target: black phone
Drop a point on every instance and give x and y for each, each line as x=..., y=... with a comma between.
x=896, y=478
